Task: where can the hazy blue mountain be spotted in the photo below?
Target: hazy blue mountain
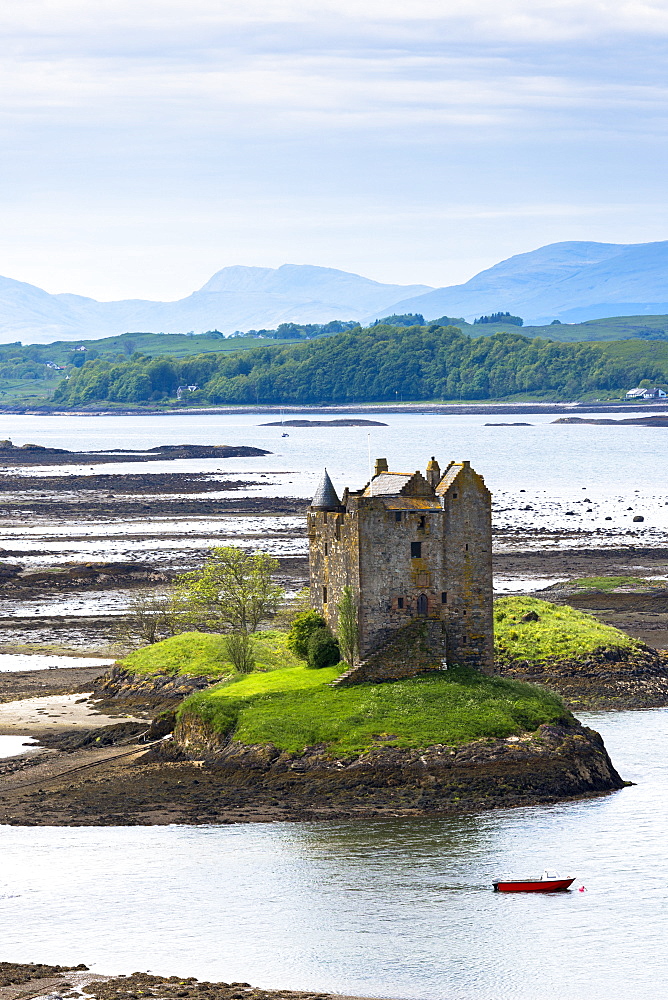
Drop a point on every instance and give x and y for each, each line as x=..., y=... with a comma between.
x=571, y=282
x=236, y=298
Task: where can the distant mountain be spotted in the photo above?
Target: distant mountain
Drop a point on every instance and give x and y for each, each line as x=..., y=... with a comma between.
x=236, y=298
x=572, y=282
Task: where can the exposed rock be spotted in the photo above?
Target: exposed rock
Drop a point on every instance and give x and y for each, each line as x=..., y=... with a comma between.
x=606, y=678
x=12, y=973
x=343, y=422
x=120, y=688
x=103, y=736
x=557, y=761
x=34, y=454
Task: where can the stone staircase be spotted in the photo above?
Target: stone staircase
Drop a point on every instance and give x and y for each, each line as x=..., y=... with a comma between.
x=417, y=648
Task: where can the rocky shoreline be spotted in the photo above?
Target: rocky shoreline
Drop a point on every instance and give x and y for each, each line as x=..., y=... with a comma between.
x=603, y=681
x=20, y=981
x=108, y=776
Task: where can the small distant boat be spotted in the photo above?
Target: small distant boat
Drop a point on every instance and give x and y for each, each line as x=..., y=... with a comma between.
x=547, y=882
x=285, y=435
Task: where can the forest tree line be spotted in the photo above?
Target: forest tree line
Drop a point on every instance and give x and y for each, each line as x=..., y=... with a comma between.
x=379, y=364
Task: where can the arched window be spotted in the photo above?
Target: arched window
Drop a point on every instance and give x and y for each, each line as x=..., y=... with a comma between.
x=422, y=604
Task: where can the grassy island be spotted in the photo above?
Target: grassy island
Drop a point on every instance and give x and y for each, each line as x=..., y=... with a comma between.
x=526, y=628
x=294, y=707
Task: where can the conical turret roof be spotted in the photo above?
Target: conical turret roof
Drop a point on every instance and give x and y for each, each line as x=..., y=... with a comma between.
x=325, y=496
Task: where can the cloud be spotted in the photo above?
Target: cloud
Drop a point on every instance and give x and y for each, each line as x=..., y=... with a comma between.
x=286, y=124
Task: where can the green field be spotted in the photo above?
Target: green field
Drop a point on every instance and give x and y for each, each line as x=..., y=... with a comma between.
x=613, y=328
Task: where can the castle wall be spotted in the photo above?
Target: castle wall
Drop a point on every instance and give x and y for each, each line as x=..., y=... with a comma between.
x=371, y=548
x=333, y=560
x=467, y=550
x=388, y=573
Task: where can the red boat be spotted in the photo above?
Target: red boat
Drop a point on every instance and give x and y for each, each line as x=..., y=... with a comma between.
x=547, y=882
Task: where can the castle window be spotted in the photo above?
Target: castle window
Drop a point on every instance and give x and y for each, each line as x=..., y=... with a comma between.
x=444, y=597
x=454, y=496
x=400, y=602
x=324, y=595
x=467, y=546
x=416, y=550
x=397, y=515
x=463, y=640
x=326, y=548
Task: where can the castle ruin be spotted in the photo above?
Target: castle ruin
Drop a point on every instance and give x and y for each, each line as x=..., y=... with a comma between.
x=416, y=551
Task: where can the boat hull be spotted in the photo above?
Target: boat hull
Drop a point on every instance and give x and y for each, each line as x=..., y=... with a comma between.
x=536, y=885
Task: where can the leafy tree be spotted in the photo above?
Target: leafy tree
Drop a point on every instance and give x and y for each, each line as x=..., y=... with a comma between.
x=405, y=319
x=323, y=649
x=348, y=627
x=500, y=317
x=303, y=627
x=233, y=591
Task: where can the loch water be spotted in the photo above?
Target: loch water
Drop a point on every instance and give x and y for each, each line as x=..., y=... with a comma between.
x=379, y=908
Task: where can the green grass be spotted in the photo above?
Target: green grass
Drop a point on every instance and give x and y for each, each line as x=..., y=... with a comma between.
x=295, y=708
x=201, y=654
x=18, y=390
x=609, y=583
x=560, y=632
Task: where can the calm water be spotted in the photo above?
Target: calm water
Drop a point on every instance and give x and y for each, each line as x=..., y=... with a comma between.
x=545, y=456
x=380, y=908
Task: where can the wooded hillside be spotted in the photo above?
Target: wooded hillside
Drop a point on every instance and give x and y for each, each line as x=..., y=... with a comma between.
x=382, y=363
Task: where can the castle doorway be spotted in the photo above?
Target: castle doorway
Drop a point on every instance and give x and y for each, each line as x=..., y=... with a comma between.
x=422, y=604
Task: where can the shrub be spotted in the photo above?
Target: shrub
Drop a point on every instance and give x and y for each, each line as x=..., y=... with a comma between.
x=240, y=651
x=323, y=649
x=301, y=630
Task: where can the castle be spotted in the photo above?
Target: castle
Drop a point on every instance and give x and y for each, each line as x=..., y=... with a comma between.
x=416, y=551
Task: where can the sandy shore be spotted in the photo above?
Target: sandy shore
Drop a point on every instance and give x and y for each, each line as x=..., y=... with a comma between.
x=54, y=714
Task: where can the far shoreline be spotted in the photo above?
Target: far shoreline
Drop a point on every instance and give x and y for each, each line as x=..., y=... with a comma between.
x=426, y=408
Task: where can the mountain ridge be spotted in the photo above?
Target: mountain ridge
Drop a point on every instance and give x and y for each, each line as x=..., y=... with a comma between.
x=571, y=281
x=236, y=297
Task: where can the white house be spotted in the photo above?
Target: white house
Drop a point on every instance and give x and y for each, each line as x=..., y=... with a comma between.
x=655, y=393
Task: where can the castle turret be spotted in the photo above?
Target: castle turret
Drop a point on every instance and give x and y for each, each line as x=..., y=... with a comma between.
x=325, y=496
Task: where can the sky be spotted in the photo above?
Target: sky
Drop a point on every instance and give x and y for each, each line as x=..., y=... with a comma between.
x=145, y=145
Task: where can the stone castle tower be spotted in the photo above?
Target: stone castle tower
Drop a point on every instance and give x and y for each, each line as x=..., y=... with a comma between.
x=416, y=550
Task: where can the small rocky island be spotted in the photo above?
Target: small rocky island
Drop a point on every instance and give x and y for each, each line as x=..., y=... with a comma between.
x=339, y=422
x=38, y=454
x=653, y=420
